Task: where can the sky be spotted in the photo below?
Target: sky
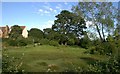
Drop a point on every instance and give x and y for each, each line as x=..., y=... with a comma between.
x=32, y=14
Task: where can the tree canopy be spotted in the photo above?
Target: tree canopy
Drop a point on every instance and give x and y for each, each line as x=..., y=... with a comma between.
x=68, y=22
x=102, y=15
x=16, y=32
x=36, y=34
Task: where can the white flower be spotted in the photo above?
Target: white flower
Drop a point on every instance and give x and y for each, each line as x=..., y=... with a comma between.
x=23, y=54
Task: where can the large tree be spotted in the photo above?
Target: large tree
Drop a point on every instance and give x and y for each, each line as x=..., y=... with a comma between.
x=102, y=15
x=49, y=33
x=69, y=26
x=53, y=35
x=15, y=32
x=68, y=22
x=35, y=34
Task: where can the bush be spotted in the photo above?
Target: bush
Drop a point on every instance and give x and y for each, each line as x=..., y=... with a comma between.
x=12, y=42
x=29, y=40
x=111, y=65
x=18, y=42
x=85, y=42
x=105, y=48
x=71, y=42
x=22, y=42
x=53, y=43
x=44, y=41
x=11, y=64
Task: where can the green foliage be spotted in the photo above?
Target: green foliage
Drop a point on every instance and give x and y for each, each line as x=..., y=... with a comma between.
x=106, y=48
x=71, y=41
x=68, y=22
x=35, y=34
x=53, y=43
x=110, y=38
x=44, y=41
x=101, y=14
x=29, y=40
x=9, y=66
x=12, y=42
x=111, y=65
x=20, y=41
x=49, y=42
x=51, y=34
x=16, y=31
x=85, y=42
x=5, y=42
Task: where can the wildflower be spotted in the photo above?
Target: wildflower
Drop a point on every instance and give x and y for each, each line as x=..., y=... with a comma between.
x=13, y=57
x=23, y=54
x=23, y=70
x=48, y=70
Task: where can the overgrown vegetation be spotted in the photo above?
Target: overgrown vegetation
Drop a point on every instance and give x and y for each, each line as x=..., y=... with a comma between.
x=69, y=29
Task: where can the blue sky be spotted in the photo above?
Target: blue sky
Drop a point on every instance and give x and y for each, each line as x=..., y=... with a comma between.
x=32, y=14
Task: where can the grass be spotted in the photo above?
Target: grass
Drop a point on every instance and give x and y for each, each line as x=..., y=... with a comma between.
x=38, y=59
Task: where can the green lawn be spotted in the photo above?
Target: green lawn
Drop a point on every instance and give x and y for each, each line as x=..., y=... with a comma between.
x=37, y=59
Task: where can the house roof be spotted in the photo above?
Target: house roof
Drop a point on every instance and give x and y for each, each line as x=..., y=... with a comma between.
x=3, y=29
x=22, y=27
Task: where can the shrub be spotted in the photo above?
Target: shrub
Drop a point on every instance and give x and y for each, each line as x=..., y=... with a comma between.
x=44, y=41
x=22, y=42
x=12, y=42
x=4, y=42
x=71, y=42
x=85, y=42
x=10, y=64
x=29, y=40
x=18, y=42
x=53, y=43
x=106, y=48
x=111, y=65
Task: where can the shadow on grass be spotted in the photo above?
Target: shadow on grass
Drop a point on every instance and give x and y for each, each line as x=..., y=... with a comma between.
x=89, y=60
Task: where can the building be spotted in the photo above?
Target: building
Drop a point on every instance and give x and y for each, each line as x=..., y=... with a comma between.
x=24, y=31
x=4, y=31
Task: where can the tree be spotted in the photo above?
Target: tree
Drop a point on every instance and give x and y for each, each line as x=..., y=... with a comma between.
x=69, y=23
x=16, y=32
x=36, y=34
x=102, y=15
x=117, y=32
x=85, y=42
x=16, y=38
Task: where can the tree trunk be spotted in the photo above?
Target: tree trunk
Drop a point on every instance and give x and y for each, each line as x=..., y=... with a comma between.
x=103, y=34
x=98, y=30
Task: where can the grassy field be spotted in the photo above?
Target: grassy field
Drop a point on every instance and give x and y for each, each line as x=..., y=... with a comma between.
x=39, y=58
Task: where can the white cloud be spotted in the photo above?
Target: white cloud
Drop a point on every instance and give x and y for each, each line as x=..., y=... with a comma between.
x=48, y=24
x=57, y=7
x=46, y=7
x=40, y=10
x=46, y=11
x=55, y=11
x=66, y=3
x=50, y=9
